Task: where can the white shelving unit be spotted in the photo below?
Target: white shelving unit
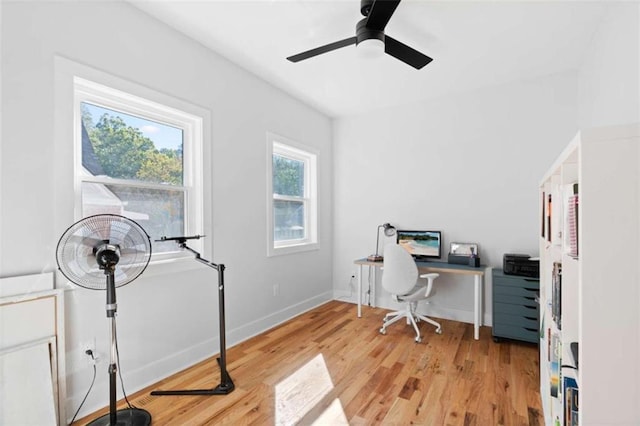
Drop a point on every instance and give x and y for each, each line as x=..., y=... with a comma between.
x=600, y=287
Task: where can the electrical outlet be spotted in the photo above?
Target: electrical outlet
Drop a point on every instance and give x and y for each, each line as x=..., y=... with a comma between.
x=87, y=345
x=276, y=289
x=89, y=353
x=352, y=280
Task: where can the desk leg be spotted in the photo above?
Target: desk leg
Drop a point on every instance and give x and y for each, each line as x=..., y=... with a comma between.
x=359, y=291
x=477, y=320
x=372, y=288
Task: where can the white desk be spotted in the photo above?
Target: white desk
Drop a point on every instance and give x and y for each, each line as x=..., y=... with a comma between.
x=424, y=267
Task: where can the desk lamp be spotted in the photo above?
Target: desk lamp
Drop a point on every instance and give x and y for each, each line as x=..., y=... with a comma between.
x=389, y=230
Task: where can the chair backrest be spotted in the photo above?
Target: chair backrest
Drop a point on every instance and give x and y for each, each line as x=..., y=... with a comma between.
x=400, y=271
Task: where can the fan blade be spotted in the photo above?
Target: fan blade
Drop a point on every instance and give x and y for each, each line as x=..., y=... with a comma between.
x=380, y=13
x=85, y=240
x=405, y=53
x=132, y=250
x=322, y=49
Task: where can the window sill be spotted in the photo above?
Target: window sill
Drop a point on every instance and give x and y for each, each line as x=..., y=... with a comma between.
x=297, y=248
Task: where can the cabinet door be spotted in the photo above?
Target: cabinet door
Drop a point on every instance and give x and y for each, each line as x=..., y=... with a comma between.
x=514, y=281
x=515, y=307
x=517, y=332
x=524, y=311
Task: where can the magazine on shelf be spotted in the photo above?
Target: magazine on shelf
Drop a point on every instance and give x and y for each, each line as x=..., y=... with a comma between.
x=549, y=218
x=570, y=402
x=556, y=294
x=556, y=355
x=543, y=226
x=571, y=220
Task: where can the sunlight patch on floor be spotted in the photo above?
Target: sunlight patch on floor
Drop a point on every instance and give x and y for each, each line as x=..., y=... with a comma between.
x=300, y=392
x=334, y=415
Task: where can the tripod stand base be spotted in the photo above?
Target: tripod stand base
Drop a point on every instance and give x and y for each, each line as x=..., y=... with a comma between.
x=221, y=389
x=125, y=417
x=225, y=387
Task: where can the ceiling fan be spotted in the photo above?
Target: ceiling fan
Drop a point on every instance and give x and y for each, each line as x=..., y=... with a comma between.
x=376, y=16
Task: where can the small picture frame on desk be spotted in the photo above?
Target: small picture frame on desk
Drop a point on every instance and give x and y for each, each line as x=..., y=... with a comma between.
x=464, y=254
x=464, y=249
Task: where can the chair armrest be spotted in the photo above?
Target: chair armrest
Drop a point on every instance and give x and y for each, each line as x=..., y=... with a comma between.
x=430, y=278
x=431, y=275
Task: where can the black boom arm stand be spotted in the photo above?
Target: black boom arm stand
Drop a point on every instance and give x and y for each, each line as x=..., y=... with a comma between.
x=226, y=385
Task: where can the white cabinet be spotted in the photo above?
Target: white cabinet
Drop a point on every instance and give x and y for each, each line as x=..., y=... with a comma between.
x=32, y=351
x=590, y=279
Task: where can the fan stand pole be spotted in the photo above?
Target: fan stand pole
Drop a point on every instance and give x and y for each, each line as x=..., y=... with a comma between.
x=127, y=416
x=226, y=385
x=112, y=307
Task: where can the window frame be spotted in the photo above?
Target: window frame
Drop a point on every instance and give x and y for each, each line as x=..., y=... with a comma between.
x=279, y=145
x=89, y=91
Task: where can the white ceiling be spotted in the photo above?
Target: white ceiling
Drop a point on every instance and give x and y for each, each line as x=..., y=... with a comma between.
x=474, y=44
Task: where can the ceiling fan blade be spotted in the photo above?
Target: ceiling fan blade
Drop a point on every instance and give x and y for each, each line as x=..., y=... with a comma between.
x=322, y=49
x=405, y=53
x=380, y=13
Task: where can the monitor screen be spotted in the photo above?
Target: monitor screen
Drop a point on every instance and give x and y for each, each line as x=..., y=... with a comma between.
x=421, y=244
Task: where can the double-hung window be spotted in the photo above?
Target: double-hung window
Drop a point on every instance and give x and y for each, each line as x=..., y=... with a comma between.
x=292, y=196
x=139, y=159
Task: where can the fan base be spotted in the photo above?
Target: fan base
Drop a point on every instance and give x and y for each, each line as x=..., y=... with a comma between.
x=126, y=417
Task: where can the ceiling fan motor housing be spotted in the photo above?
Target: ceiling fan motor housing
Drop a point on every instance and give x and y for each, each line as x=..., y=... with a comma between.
x=365, y=7
x=363, y=33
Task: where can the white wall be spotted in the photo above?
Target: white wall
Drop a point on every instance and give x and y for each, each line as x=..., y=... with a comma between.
x=609, y=78
x=467, y=165
x=166, y=320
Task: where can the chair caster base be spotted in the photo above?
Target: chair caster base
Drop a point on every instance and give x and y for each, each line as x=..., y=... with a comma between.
x=438, y=331
x=383, y=331
x=418, y=340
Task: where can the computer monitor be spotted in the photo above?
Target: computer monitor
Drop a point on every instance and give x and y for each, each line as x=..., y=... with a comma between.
x=421, y=244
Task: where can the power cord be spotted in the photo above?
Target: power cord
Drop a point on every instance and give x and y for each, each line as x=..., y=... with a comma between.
x=350, y=285
x=115, y=334
x=90, y=353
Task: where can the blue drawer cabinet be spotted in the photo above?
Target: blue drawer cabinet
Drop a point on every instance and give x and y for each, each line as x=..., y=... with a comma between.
x=516, y=312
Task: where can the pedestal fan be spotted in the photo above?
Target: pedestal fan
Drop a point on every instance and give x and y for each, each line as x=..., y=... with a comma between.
x=103, y=252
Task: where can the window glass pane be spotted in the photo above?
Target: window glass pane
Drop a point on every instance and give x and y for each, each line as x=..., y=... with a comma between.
x=159, y=211
x=288, y=176
x=123, y=146
x=288, y=220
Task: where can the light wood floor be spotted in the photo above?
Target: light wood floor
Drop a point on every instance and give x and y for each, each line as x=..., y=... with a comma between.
x=328, y=366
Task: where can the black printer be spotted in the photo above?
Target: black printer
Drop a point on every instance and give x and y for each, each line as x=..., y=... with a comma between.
x=521, y=264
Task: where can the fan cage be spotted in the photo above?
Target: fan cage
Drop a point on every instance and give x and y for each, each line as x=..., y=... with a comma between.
x=75, y=251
